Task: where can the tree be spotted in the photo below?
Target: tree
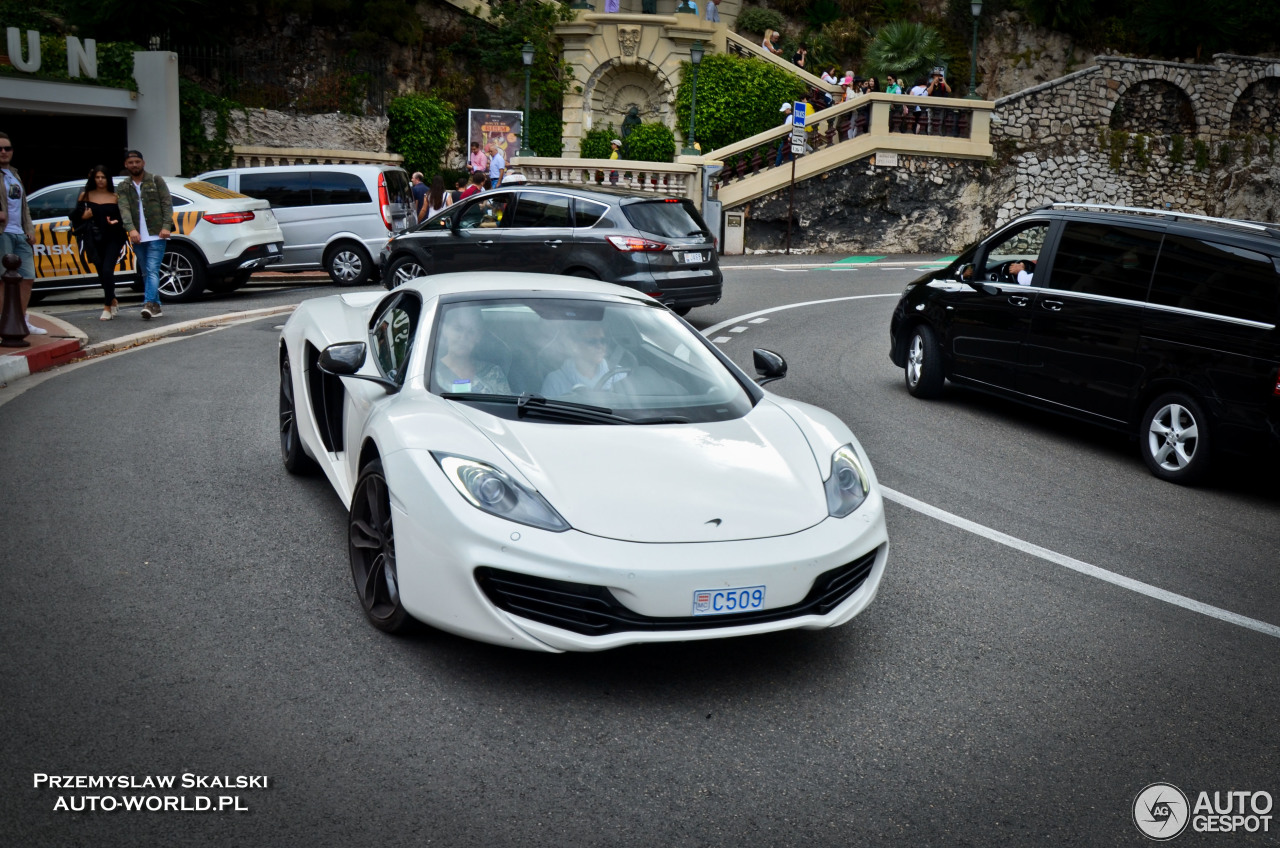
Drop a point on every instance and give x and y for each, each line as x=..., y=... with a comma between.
x=906, y=49
x=737, y=98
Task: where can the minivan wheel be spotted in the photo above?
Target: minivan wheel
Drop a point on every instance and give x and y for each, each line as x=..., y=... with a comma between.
x=1174, y=439
x=348, y=264
x=924, y=363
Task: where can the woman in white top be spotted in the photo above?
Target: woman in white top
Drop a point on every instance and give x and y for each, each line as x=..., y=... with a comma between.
x=437, y=200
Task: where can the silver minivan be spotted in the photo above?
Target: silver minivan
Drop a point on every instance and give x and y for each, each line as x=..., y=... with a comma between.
x=334, y=217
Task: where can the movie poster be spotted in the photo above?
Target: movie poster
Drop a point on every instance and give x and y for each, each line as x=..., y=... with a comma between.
x=497, y=126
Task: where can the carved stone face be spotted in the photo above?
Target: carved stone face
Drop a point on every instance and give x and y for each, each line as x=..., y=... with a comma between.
x=628, y=40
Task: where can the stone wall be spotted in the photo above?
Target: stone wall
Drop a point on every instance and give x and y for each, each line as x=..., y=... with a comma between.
x=267, y=128
x=1057, y=141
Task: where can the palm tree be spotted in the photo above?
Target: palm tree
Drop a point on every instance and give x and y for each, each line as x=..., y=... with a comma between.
x=904, y=48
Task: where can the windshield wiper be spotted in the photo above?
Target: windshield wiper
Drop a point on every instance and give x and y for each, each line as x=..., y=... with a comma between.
x=536, y=406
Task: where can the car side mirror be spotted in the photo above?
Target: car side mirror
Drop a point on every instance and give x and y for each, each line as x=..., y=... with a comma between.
x=769, y=365
x=344, y=359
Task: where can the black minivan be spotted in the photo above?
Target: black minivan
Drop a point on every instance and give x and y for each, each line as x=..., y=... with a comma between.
x=658, y=245
x=1158, y=323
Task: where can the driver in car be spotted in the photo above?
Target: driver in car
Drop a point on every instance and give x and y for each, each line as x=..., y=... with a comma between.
x=586, y=367
x=1022, y=272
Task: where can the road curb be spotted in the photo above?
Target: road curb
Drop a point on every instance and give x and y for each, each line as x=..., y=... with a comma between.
x=136, y=339
x=16, y=363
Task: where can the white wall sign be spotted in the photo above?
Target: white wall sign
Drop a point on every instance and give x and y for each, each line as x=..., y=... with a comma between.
x=887, y=160
x=81, y=56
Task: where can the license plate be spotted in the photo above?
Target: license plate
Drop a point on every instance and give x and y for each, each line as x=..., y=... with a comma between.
x=724, y=601
x=271, y=248
x=691, y=257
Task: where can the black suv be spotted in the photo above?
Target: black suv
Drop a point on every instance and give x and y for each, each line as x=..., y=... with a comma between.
x=658, y=245
x=1157, y=323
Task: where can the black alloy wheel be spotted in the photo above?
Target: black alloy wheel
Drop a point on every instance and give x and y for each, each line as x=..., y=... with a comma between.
x=294, y=457
x=405, y=269
x=924, y=363
x=371, y=534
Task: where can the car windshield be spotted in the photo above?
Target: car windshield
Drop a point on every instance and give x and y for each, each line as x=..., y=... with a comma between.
x=625, y=360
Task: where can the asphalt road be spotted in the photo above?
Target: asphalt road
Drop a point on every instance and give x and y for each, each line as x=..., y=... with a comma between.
x=176, y=603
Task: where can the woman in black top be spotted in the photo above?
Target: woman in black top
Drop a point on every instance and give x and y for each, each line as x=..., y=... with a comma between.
x=96, y=220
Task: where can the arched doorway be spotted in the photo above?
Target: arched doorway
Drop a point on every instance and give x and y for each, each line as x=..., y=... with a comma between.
x=615, y=88
x=1257, y=109
x=1154, y=107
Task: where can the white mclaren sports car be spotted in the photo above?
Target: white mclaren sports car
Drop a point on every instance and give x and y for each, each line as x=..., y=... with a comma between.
x=559, y=464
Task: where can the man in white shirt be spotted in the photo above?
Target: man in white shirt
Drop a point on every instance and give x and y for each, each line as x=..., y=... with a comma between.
x=17, y=231
x=146, y=211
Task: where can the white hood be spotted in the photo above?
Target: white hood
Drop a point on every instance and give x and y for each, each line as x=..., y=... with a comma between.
x=669, y=482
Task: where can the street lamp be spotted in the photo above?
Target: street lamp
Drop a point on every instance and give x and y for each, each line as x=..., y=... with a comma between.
x=695, y=56
x=526, y=53
x=976, y=8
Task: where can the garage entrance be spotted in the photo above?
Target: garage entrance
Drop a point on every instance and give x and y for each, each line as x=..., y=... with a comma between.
x=51, y=148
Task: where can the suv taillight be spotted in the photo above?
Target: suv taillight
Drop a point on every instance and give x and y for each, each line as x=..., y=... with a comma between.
x=384, y=200
x=628, y=244
x=1277, y=390
x=227, y=217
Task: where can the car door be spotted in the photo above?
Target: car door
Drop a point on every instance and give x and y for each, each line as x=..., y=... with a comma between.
x=985, y=322
x=1081, y=350
x=473, y=240
x=540, y=235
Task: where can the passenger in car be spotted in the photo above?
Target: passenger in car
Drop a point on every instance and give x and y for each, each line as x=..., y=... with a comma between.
x=458, y=368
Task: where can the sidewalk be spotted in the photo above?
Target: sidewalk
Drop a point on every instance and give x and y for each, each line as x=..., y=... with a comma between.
x=60, y=345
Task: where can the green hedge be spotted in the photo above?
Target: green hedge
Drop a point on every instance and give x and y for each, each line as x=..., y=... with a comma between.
x=199, y=151
x=595, y=143
x=546, y=132
x=419, y=129
x=650, y=143
x=737, y=98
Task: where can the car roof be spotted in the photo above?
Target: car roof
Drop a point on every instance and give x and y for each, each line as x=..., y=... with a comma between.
x=490, y=282
x=188, y=188
x=603, y=195
x=1264, y=233
x=353, y=167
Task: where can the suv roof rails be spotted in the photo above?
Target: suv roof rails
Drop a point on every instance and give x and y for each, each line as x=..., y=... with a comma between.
x=1272, y=230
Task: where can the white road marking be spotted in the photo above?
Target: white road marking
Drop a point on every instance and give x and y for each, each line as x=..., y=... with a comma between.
x=720, y=340
x=1081, y=567
x=746, y=318
x=739, y=329
x=1019, y=544
x=757, y=320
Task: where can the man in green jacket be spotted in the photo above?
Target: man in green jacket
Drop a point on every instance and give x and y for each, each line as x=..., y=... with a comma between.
x=146, y=211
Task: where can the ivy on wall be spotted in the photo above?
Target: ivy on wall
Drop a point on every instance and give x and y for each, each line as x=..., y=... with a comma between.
x=200, y=151
x=737, y=98
x=546, y=132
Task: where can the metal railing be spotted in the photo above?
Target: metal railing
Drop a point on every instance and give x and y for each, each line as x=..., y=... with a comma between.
x=273, y=77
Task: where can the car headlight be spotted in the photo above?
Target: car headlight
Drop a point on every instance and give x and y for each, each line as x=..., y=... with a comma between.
x=848, y=485
x=495, y=492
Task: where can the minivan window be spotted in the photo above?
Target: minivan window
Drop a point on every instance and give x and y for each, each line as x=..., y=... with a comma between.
x=399, y=188
x=218, y=181
x=1105, y=259
x=330, y=188
x=1219, y=279
x=666, y=218
x=281, y=189
x=538, y=209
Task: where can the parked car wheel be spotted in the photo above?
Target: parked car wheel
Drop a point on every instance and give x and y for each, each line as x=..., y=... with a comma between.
x=1174, y=439
x=373, y=552
x=294, y=457
x=924, y=363
x=348, y=264
x=182, y=273
x=403, y=270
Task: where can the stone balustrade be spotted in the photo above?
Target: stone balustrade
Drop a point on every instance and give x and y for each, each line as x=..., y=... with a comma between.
x=679, y=179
